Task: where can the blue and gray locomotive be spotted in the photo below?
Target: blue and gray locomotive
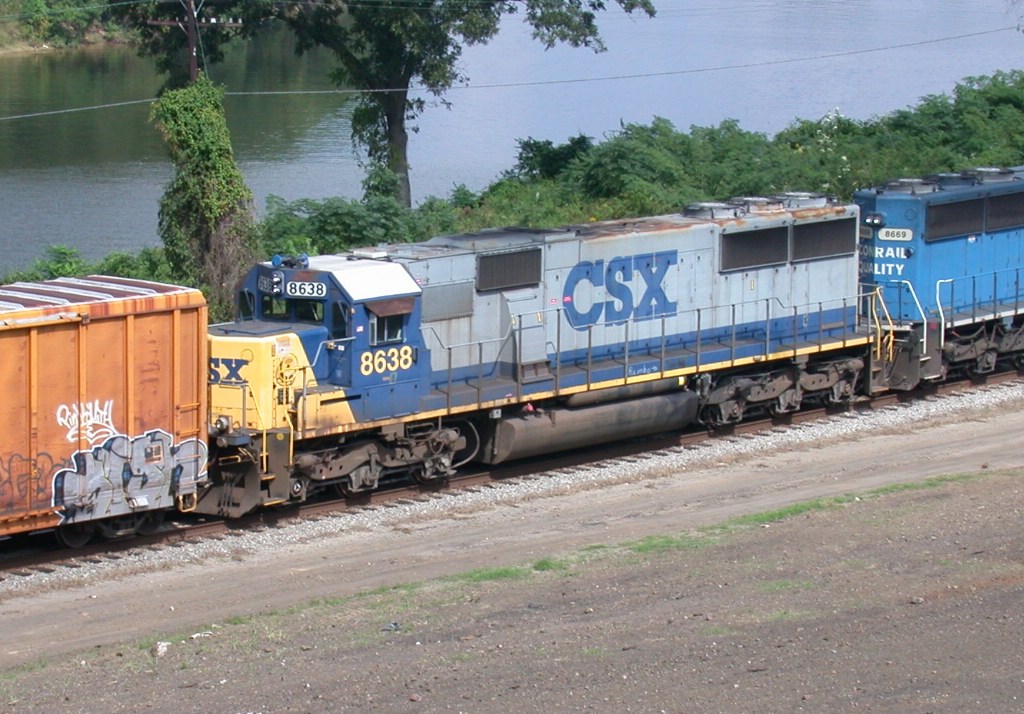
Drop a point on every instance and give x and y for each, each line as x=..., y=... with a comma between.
x=415, y=358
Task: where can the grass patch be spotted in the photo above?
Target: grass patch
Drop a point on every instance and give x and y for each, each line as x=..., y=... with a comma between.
x=462, y=657
x=387, y=590
x=785, y=616
x=823, y=504
x=921, y=485
x=779, y=514
x=549, y=564
x=715, y=630
x=784, y=584
x=663, y=543
x=488, y=574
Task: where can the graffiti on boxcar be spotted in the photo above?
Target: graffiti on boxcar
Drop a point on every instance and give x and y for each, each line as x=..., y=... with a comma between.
x=18, y=473
x=126, y=475
x=91, y=421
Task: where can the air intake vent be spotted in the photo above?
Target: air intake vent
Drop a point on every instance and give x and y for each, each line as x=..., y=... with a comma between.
x=504, y=271
x=952, y=179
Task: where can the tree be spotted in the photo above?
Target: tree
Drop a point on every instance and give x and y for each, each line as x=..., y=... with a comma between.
x=382, y=47
x=206, y=213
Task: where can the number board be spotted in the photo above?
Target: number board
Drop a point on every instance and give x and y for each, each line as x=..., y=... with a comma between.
x=896, y=234
x=303, y=289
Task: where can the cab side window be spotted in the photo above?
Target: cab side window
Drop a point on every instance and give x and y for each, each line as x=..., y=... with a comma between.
x=246, y=305
x=385, y=329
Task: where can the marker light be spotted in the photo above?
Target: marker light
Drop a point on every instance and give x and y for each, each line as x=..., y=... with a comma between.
x=875, y=220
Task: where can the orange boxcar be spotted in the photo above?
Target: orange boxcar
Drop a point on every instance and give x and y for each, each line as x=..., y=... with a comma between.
x=103, y=413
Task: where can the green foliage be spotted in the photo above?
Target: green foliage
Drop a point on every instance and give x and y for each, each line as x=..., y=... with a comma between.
x=334, y=225
x=58, y=22
x=149, y=264
x=637, y=160
x=512, y=202
x=206, y=215
x=62, y=261
x=543, y=160
x=59, y=261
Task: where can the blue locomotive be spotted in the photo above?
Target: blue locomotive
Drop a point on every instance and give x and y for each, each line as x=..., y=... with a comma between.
x=413, y=359
x=947, y=255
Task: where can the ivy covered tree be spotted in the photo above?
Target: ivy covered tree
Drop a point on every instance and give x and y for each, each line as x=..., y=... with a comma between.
x=206, y=213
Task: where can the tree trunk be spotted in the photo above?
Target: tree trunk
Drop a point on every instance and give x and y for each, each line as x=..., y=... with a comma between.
x=398, y=144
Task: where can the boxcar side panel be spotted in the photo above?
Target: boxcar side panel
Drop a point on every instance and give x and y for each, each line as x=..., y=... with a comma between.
x=104, y=410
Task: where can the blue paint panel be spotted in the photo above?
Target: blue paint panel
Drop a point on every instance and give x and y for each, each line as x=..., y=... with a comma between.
x=609, y=362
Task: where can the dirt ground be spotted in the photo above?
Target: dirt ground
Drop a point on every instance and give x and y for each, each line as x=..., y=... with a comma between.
x=790, y=581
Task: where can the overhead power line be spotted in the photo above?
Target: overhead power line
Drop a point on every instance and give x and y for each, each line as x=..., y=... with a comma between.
x=580, y=80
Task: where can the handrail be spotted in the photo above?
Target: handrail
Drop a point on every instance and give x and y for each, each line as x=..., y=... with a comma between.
x=920, y=310
x=1018, y=294
x=443, y=346
x=329, y=345
x=942, y=313
x=890, y=337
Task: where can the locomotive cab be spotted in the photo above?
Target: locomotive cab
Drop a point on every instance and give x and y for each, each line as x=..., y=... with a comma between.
x=350, y=326
x=305, y=384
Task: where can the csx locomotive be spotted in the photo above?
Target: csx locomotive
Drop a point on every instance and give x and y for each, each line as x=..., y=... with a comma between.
x=410, y=360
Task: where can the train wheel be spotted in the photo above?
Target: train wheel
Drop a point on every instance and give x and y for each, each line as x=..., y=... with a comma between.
x=150, y=523
x=75, y=535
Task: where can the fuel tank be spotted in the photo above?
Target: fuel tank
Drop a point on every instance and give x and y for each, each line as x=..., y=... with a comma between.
x=535, y=432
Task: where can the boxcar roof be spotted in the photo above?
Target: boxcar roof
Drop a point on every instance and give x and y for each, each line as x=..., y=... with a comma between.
x=62, y=293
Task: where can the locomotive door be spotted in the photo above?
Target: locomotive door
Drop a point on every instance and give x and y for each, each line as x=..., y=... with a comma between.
x=528, y=330
x=339, y=356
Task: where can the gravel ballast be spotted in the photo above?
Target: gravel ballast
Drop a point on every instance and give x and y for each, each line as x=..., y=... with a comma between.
x=621, y=594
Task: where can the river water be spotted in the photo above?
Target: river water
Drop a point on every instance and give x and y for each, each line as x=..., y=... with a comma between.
x=91, y=178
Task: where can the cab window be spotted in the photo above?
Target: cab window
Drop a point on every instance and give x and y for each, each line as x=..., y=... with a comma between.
x=273, y=308
x=246, y=305
x=384, y=329
x=309, y=311
x=339, y=321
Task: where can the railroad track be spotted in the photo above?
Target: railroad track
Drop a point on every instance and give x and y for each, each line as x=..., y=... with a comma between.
x=26, y=556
